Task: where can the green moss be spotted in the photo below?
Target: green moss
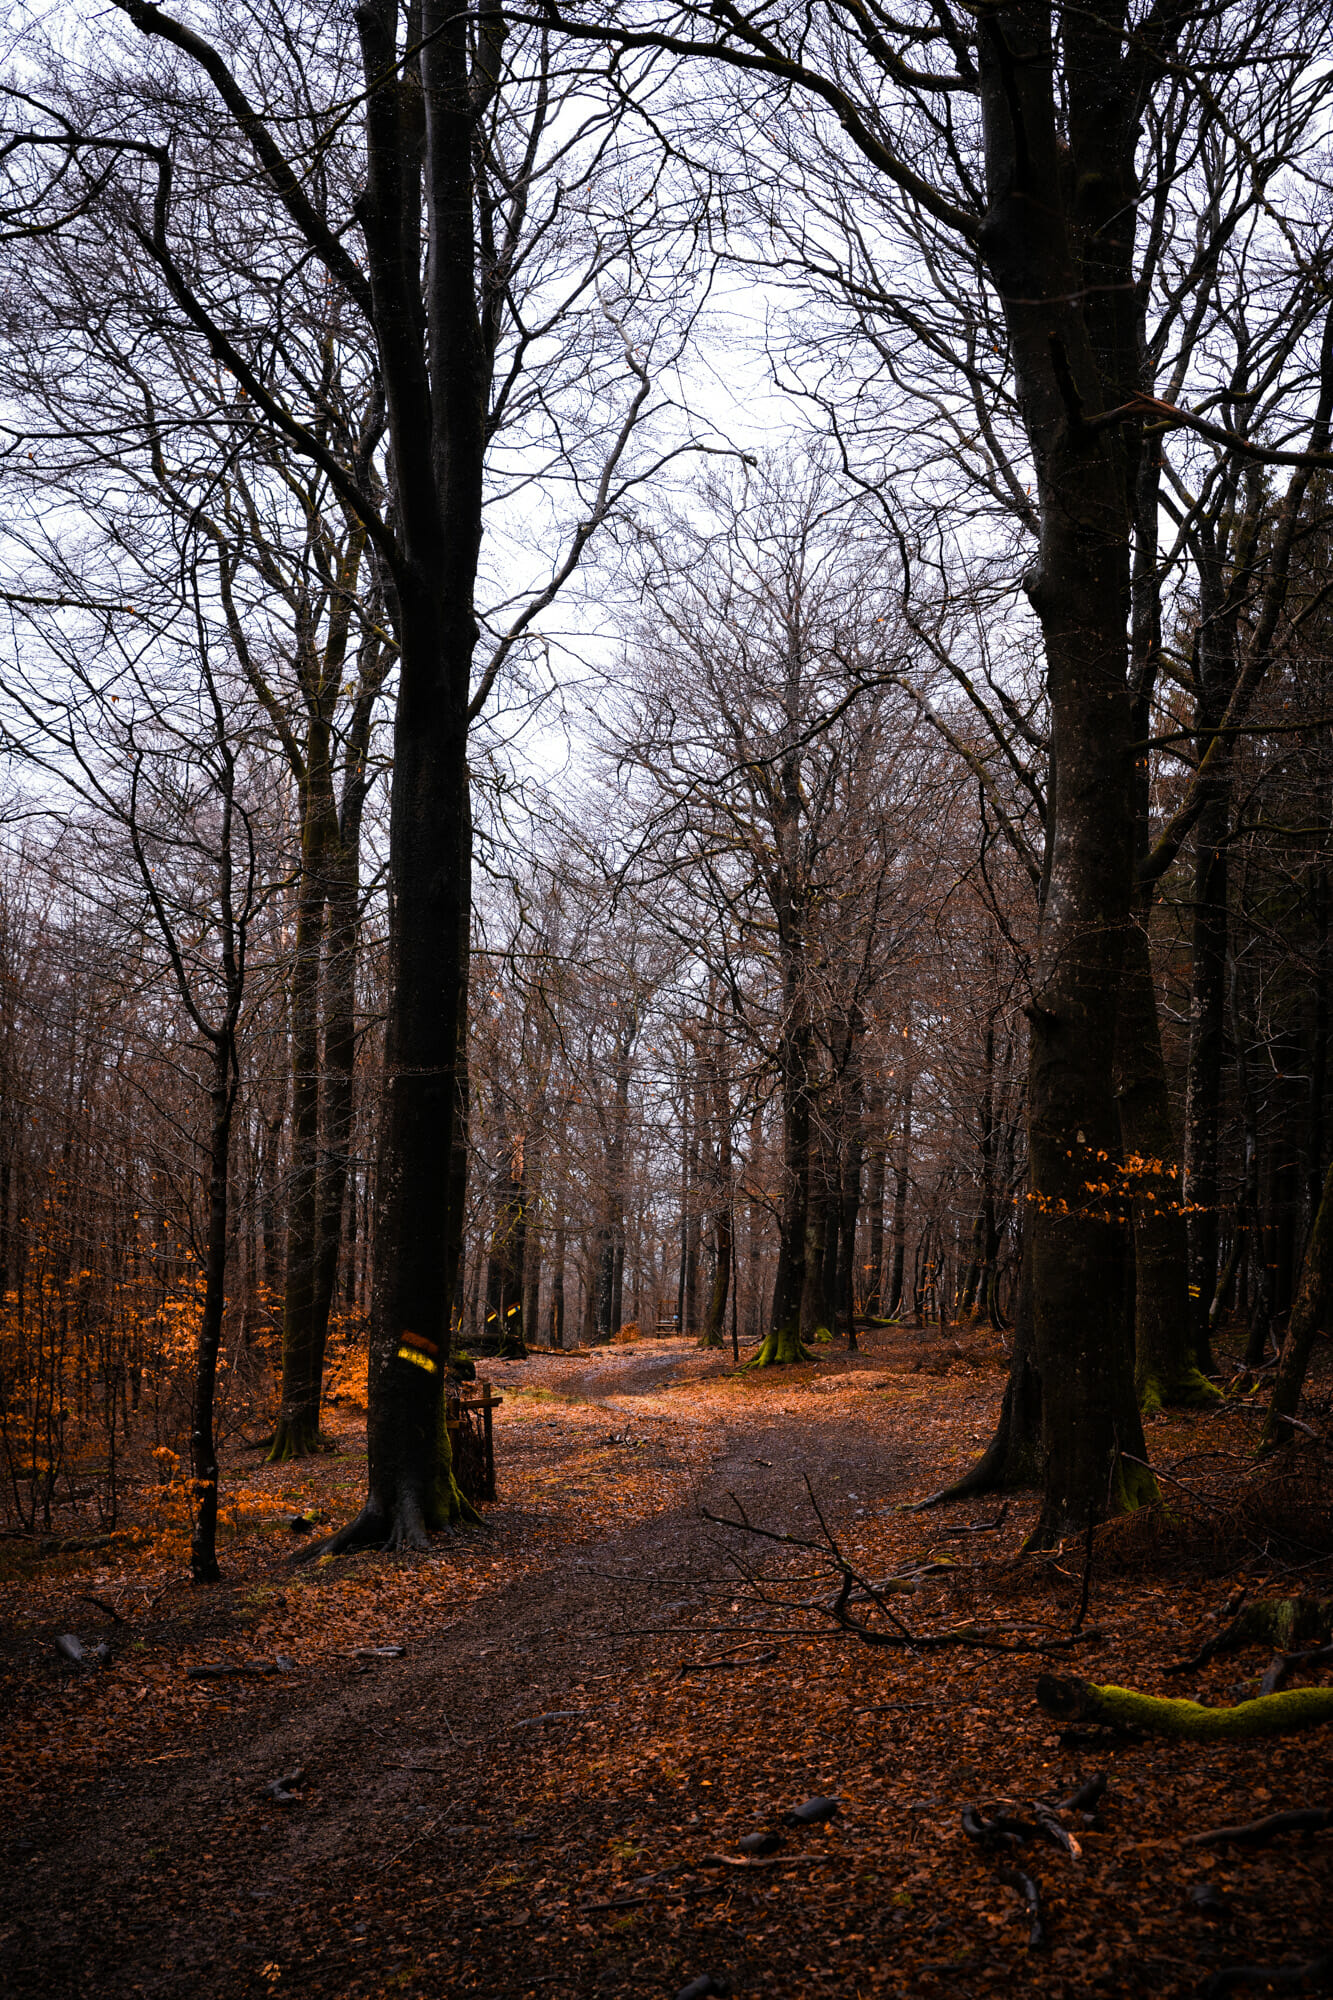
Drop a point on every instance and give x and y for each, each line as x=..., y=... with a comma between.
x=1136, y=1486
x=1187, y=1391
x=782, y=1348
x=1294, y=1708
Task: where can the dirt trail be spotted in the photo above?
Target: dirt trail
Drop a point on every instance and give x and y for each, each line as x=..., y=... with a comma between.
x=415, y=1768
x=545, y=1796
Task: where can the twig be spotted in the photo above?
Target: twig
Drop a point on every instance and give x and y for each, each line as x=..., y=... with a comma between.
x=768, y=1861
x=703, y=1666
x=86, y=1597
x=977, y=1528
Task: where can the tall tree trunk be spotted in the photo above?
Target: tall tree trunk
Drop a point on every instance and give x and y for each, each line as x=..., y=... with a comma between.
x=1307, y=1315
x=754, y=1304
x=558, y=1284
x=1047, y=236
x=504, y=1270
x=532, y=1251
x=875, y=1202
x=901, y=1171
x=722, y=1192
x=814, y=1319
x=203, y=1447
x=1165, y=1369
x=434, y=380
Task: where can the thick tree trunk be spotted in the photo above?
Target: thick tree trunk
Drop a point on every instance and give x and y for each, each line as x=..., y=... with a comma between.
x=1013, y=1458
x=1306, y=1318
x=1079, y=589
x=1165, y=1370
x=434, y=380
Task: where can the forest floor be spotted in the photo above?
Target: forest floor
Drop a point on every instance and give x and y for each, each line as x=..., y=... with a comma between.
x=538, y=1782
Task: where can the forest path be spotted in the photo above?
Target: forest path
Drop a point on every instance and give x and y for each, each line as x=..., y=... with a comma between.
x=180, y=1876
x=544, y=1794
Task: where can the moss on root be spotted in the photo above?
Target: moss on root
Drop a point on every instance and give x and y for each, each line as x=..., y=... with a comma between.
x=1135, y=1486
x=1191, y=1721
x=782, y=1348
x=1190, y=1390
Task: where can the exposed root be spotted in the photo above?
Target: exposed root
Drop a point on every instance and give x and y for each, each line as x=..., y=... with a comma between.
x=369, y=1530
x=1072, y=1700
x=782, y=1348
x=1190, y=1390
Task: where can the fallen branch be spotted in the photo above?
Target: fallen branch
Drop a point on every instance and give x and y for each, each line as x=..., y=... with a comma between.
x=1088, y=1796
x=1258, y=1832
x=1283, y=1664
x=978, y=1528
x=1031, y=1895
x=767, y=1861
x=703, y=1666
x=1072, y=1700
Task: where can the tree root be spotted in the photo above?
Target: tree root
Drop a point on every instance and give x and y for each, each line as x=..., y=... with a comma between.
x=298, y=1437
x=781, y=1348
x=1190, y=1390
x=1072, y=1700
x=403, y=1528
x=1259, y=1832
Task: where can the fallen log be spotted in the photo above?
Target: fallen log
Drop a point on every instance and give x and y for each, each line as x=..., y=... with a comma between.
x=1071, y=1700
x=1258, y=1832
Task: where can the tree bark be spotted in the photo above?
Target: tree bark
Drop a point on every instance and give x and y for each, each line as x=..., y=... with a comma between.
x=1165, y=1369
x=1306, y=1318
x=203, y=1447
x=901, y=1172
x=434, y=380
x=1070, y=352
x=875, y=1202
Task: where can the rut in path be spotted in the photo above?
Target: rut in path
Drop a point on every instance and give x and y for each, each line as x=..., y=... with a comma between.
x=412, y=1768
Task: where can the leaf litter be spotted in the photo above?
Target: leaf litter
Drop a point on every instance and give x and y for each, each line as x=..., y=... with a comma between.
x=502, y=1772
